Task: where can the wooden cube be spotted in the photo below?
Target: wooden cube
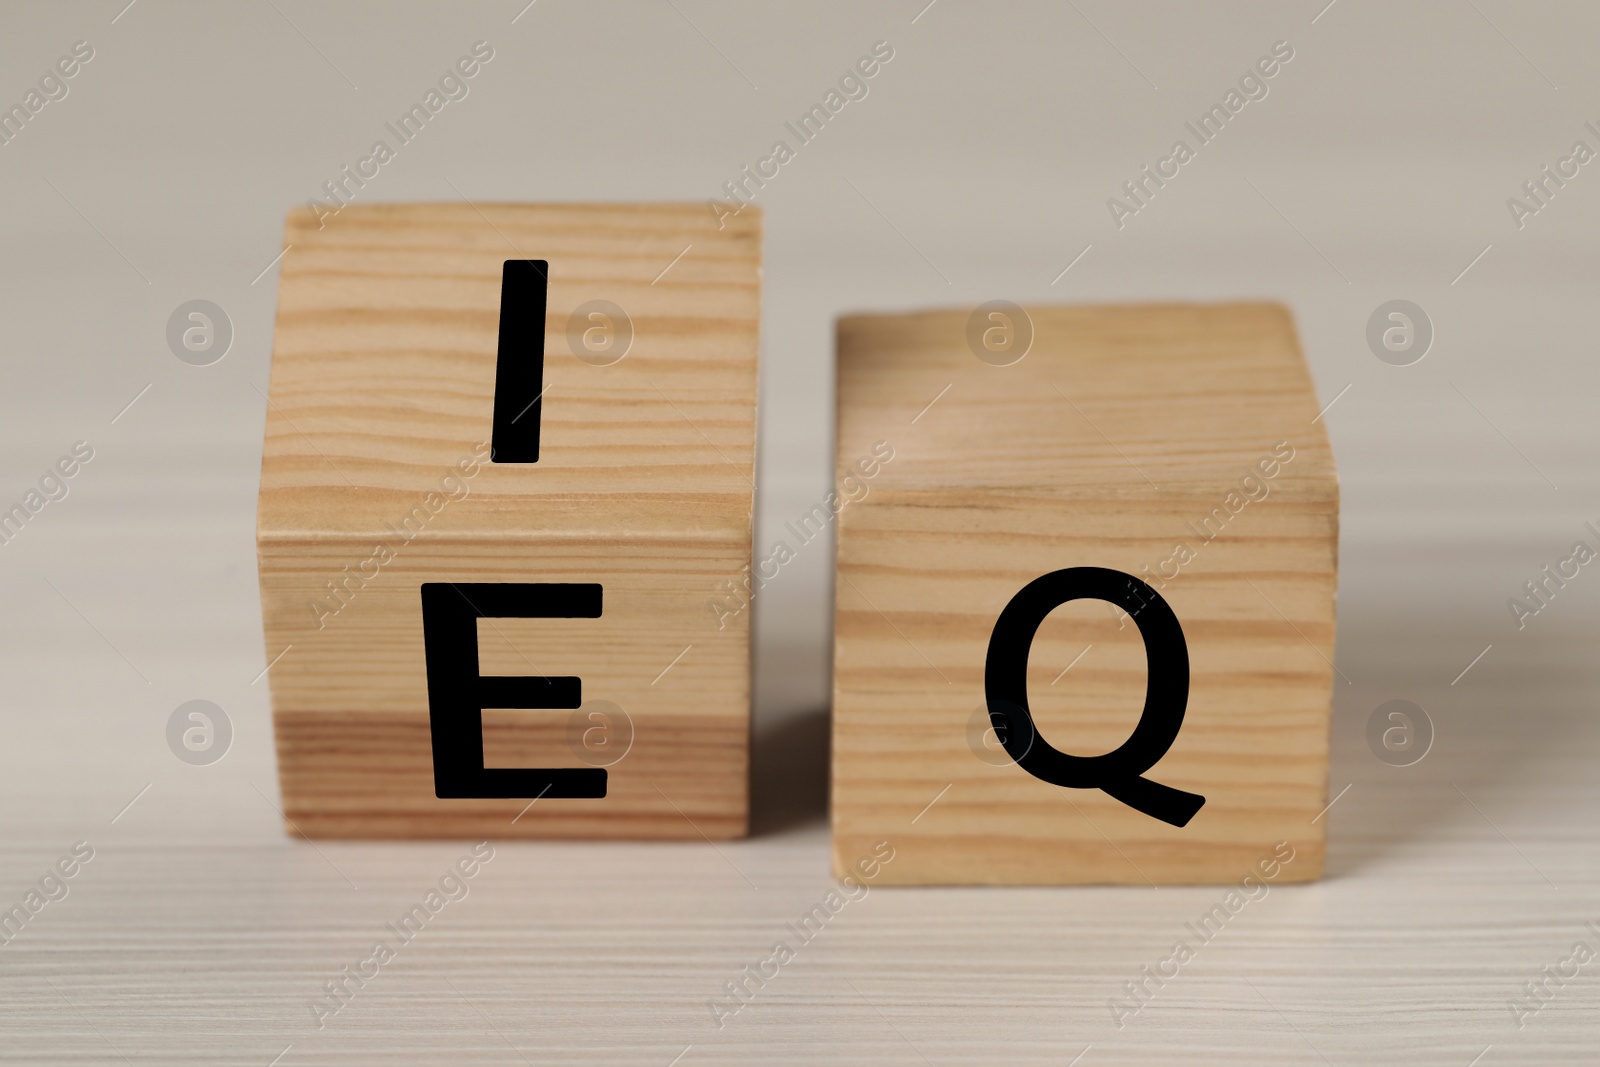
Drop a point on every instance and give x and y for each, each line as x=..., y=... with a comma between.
x=1110, y=476
x=570, y=580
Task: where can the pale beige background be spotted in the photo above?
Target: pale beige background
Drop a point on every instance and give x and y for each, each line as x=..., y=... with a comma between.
x=978, y=167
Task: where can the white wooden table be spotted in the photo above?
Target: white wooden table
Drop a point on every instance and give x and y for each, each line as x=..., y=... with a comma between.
x=981, y=162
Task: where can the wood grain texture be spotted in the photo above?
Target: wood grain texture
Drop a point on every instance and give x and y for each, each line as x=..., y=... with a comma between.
x=375, y=479
x=1123, y=434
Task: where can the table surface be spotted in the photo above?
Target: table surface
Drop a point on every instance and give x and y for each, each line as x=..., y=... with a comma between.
x=979, y=166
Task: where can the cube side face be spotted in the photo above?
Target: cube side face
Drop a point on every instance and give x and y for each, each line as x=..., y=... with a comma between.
x=665, y=691
x=377, y=480
x=916, y=762
x=1249, y=570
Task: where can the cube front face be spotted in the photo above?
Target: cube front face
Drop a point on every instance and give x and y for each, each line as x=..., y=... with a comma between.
x=1128, y=429
x=354, y=748
x=376, y=481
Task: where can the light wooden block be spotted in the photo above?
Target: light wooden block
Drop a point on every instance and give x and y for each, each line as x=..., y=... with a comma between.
x=382, y=399
x=1116, y=438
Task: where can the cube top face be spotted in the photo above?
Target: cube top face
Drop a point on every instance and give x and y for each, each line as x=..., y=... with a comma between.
x=383, y=375
x=1182, y=450
x=1220, y=379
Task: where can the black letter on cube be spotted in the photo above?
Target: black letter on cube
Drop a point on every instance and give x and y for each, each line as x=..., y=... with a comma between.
x=1119, y=773
x=519, y=366
x=457, y=693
